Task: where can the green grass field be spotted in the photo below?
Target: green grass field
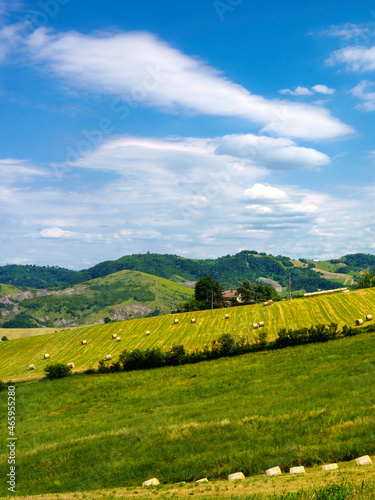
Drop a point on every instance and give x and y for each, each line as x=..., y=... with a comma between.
x=19, y=333
x=8, y=289
x=307, y=405
x=16, y=355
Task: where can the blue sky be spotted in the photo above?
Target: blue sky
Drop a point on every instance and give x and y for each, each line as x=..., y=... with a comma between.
x=196, y=128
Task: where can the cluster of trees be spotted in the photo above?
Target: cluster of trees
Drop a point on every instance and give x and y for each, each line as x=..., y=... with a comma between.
x=209, y=293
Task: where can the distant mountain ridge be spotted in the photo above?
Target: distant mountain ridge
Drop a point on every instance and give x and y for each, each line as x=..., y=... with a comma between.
x=230, y=270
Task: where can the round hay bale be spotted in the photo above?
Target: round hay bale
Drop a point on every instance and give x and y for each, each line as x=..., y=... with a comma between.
x=226, y=316
x=275, y=471
x=108, y=357
x=148, y=332
x=261, y=323
x=114, y=335
x=70, y=365
x=236, y=476
x=84, y=342
x=359, y=322
x=151, y=482
x=369, y=317
x=46, y=356
x=270, y=302
x=118, y=339
x=31, y=367
x=265, y=304
x=330, y=467
x=176, y=321
x=297, y=470
x=192, y=320
x=255, y=326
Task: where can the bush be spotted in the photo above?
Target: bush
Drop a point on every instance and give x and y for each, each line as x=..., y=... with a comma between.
x=4, y=338
x=56, y=371
x=3, y=386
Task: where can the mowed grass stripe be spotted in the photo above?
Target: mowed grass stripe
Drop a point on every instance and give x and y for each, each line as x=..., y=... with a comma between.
x=18, y=354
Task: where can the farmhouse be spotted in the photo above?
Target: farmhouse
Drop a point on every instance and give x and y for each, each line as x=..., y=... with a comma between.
x=230, y=296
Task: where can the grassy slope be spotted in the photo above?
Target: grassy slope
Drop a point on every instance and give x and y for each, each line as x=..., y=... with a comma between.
x=19, y=333
x=16, y=355
x=167, y=294
x=8, y=289
x=298, y=406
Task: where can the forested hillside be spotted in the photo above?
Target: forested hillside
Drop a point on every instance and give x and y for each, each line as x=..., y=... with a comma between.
x=230, y=270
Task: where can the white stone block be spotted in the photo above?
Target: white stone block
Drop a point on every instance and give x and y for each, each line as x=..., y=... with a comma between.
x=151, y=482
x=236, y=476
x=297, y=470
x=275, y=471
x=365, y=460
x=330, y=467
x=203, y=480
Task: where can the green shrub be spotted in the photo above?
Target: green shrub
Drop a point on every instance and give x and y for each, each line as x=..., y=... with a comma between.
x=3, y=386
x=4, y=338
x=57, y=370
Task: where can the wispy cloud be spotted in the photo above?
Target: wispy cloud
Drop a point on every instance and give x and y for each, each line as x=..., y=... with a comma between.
x=297, y=91
x=303, y=91
x=350, y=31
x=139, y=66
x=354, y=58
x=368, y=98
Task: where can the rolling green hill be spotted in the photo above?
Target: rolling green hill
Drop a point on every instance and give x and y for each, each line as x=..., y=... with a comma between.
x=119, y=296
x=299, y=406
x=230, y=270
x=16, y=355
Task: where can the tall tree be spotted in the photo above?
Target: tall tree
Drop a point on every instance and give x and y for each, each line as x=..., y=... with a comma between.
x=203, y=290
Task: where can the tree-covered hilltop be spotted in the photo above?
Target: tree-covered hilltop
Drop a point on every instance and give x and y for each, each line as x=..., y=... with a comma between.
x=357, y=261
x=32, y=276
x=230, y=271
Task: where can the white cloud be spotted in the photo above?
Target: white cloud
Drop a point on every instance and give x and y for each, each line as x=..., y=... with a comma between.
x=349, y=31
x=367, y=97
x=301, y=91
x=355, y=58
x=265, y=192
x=141, y=68
x=174, y=193
x=297, y=91
x=273, y=153
x=13, y=170
x=55, y=232
x=323, y=89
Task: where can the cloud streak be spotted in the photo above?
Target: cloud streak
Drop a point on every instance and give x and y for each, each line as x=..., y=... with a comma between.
x=138, y=66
